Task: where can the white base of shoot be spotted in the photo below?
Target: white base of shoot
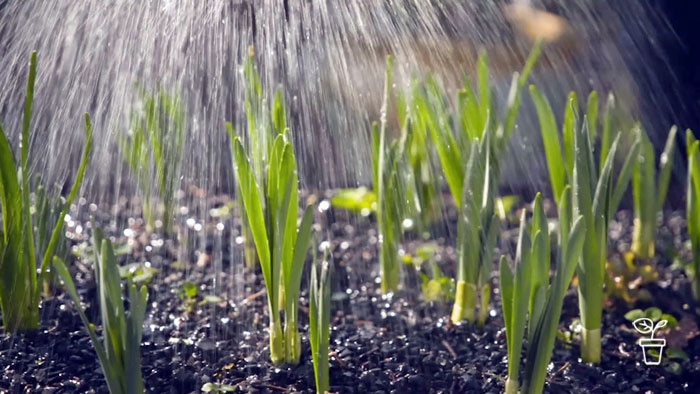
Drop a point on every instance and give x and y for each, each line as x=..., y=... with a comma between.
x=590, y=345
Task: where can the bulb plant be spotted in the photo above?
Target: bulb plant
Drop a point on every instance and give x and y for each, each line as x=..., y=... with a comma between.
x=529, y=296
x=119, y=352
x=649, y=190
x=47, y=211
x=320, y=321
x=476, y=137
x=693, y=206
x=389, y=169
x=152, y=149
x=597, y=195
x=421, y=186
x=20, y=292
x=270, y=199
x=259, y=120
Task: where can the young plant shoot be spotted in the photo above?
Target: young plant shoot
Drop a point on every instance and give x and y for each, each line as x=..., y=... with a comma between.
x=529, y=295
x=320, y=321
x=479, y=141
x=693, y=206
x=270, y=200
x=390, y=186
x=20, y=292
x=120, y=350
x=596, y=197
x=259, y=134
x=649, y=190
x=152, y=148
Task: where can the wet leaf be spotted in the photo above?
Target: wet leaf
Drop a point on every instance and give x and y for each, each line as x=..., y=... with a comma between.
x=676, y=353
x=653, y=313
x=634, y=314
x=189, y=289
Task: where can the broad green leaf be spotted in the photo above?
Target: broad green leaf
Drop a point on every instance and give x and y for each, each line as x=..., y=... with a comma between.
x=252, y=204
x=552, y=145
x=624, y=176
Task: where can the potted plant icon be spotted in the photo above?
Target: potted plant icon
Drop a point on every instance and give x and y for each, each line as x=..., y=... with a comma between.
x=652, y=348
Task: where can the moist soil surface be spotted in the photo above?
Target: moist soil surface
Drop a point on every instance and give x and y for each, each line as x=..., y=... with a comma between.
x=379, y=344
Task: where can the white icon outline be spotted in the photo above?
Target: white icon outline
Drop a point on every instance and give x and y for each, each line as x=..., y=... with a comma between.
x=646, y=326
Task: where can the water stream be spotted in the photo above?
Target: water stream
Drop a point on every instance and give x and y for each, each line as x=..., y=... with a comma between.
x=328, y=55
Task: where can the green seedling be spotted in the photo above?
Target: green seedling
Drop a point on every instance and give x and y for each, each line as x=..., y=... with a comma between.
x=47, y=211
x=19, y=282
x=649, y=189
x=479, y=141
x=271, y=203
x=320, y=321
x=120, y=350
x=435, y=285
x=421, y=182
x=597, y=195
x=152, y=148
x=191, y=299
x=693, y=206
x=529, y=296
x=261, y=124
x=653, y=314
x=140, y=273
x=388, y=162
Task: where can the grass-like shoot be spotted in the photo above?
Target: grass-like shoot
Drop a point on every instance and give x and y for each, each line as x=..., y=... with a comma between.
x=693, y=206
x=319, y=322
x=152, y=148
x=649, y=189
x=597, y=195
x=20, y=292
x=388, y=163
x=479, y=141
x=119, y=351
x=260, y=132
x=271, y=202
x=48, y=209
x=528, y=295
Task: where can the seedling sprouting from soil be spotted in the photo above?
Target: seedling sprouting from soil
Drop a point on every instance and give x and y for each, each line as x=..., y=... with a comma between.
x=528, y=294
x=469, y=158
x=120, y=351
x=268, y=187
x=649, y=191
x=596, y=196
x=20, y=292
x=152, y=148
x=320, y=321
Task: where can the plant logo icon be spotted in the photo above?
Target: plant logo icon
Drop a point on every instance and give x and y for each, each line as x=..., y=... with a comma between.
x=652, y=348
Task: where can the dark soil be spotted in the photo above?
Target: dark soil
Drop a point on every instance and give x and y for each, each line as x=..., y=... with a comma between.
x=397, y=343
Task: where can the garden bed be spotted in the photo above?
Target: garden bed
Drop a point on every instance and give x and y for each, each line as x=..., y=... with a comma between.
x=397, y=343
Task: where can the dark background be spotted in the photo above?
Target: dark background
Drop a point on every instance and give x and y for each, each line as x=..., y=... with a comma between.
x=680, y=41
